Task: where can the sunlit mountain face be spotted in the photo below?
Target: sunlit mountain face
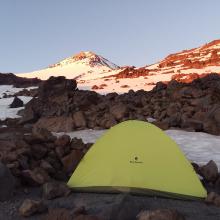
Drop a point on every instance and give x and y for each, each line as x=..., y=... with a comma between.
x=95, y=72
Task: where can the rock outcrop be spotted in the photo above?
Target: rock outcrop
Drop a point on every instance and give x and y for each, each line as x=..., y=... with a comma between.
x=192, y=106
x=19, y=82
x=16, y=103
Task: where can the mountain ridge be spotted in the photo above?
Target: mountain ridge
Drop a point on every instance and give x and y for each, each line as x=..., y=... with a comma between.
x=95, y=72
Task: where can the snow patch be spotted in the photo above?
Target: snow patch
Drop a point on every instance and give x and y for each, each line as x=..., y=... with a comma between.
x=198, y=147
x=5, y=111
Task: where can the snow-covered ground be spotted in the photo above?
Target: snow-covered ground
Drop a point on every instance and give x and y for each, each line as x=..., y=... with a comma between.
x=5, y=111
x=197, y=146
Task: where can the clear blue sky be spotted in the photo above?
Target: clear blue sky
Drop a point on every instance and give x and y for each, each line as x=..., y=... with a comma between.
x=36, y=33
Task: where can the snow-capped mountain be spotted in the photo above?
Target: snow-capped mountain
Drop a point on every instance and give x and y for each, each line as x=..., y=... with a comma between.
x=97, y=73
x=189, y=64
x=79, y=66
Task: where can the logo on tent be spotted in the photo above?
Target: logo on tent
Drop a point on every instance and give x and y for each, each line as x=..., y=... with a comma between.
x=135, y=160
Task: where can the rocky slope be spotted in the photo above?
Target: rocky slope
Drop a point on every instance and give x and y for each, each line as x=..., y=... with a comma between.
x=34, y=167
x=96, y=73
x=19, y=82
x=60, y=106
x=34, y=164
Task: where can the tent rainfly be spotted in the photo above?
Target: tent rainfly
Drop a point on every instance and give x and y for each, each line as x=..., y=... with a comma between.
x=136, y=156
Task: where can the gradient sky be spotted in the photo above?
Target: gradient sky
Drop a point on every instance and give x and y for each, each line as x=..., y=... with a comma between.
x=36, y=33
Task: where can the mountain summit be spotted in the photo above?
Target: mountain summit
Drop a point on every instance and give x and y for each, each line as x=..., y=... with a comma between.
x=88, y=58
x=82, y=65
x=94, y=72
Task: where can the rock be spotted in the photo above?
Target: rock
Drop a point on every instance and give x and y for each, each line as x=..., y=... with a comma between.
x=216, y=114
x=19, y=82
x=71, y=161
x=56, y=124
x=47, y=167
x=30, y=207
x=7, y=183
x=174, y=120
x=159, y=86
x=77, y=143
x=209, y=171
x=16, y=103
x=38, y=151
x=35, y=177
x=161, y=125
x=43, y=134
x=160, y=214
x=27, y=92
x=60, y=151
x=192, y=124
x=79, y=120
x=61, y=107
x=107, y=121
x=55, y=86
x=173, y=108
x=58, y=214
x=211, y=127
x=119, y=111
x=10, y=157
x=52, y=190
x=213, y=198
x=63, y=141
x=28, y=114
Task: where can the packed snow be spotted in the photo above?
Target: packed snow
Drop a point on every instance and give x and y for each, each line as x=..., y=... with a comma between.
x=5, y=111
x=198, y=147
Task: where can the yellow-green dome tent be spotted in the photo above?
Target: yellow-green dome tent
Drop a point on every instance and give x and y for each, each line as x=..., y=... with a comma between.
x=136, y=156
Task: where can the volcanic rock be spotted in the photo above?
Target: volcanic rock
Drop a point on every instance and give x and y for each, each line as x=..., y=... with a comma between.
x=71, y=161
x=45, y=165
x=55, y=86
x=118, y=111
x=19, y=82
x=63, y=141
x=30, y=207
x=55, y=124
x=193, y=106
x=213, y=198
x=43, y=134
x=35, y=177
x=16, y=103
x=52, y=190
x=38, y=151
x=79, y=120
x=209, y=171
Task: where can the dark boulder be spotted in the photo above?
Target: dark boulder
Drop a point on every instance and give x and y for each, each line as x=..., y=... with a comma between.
x=16, y=103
